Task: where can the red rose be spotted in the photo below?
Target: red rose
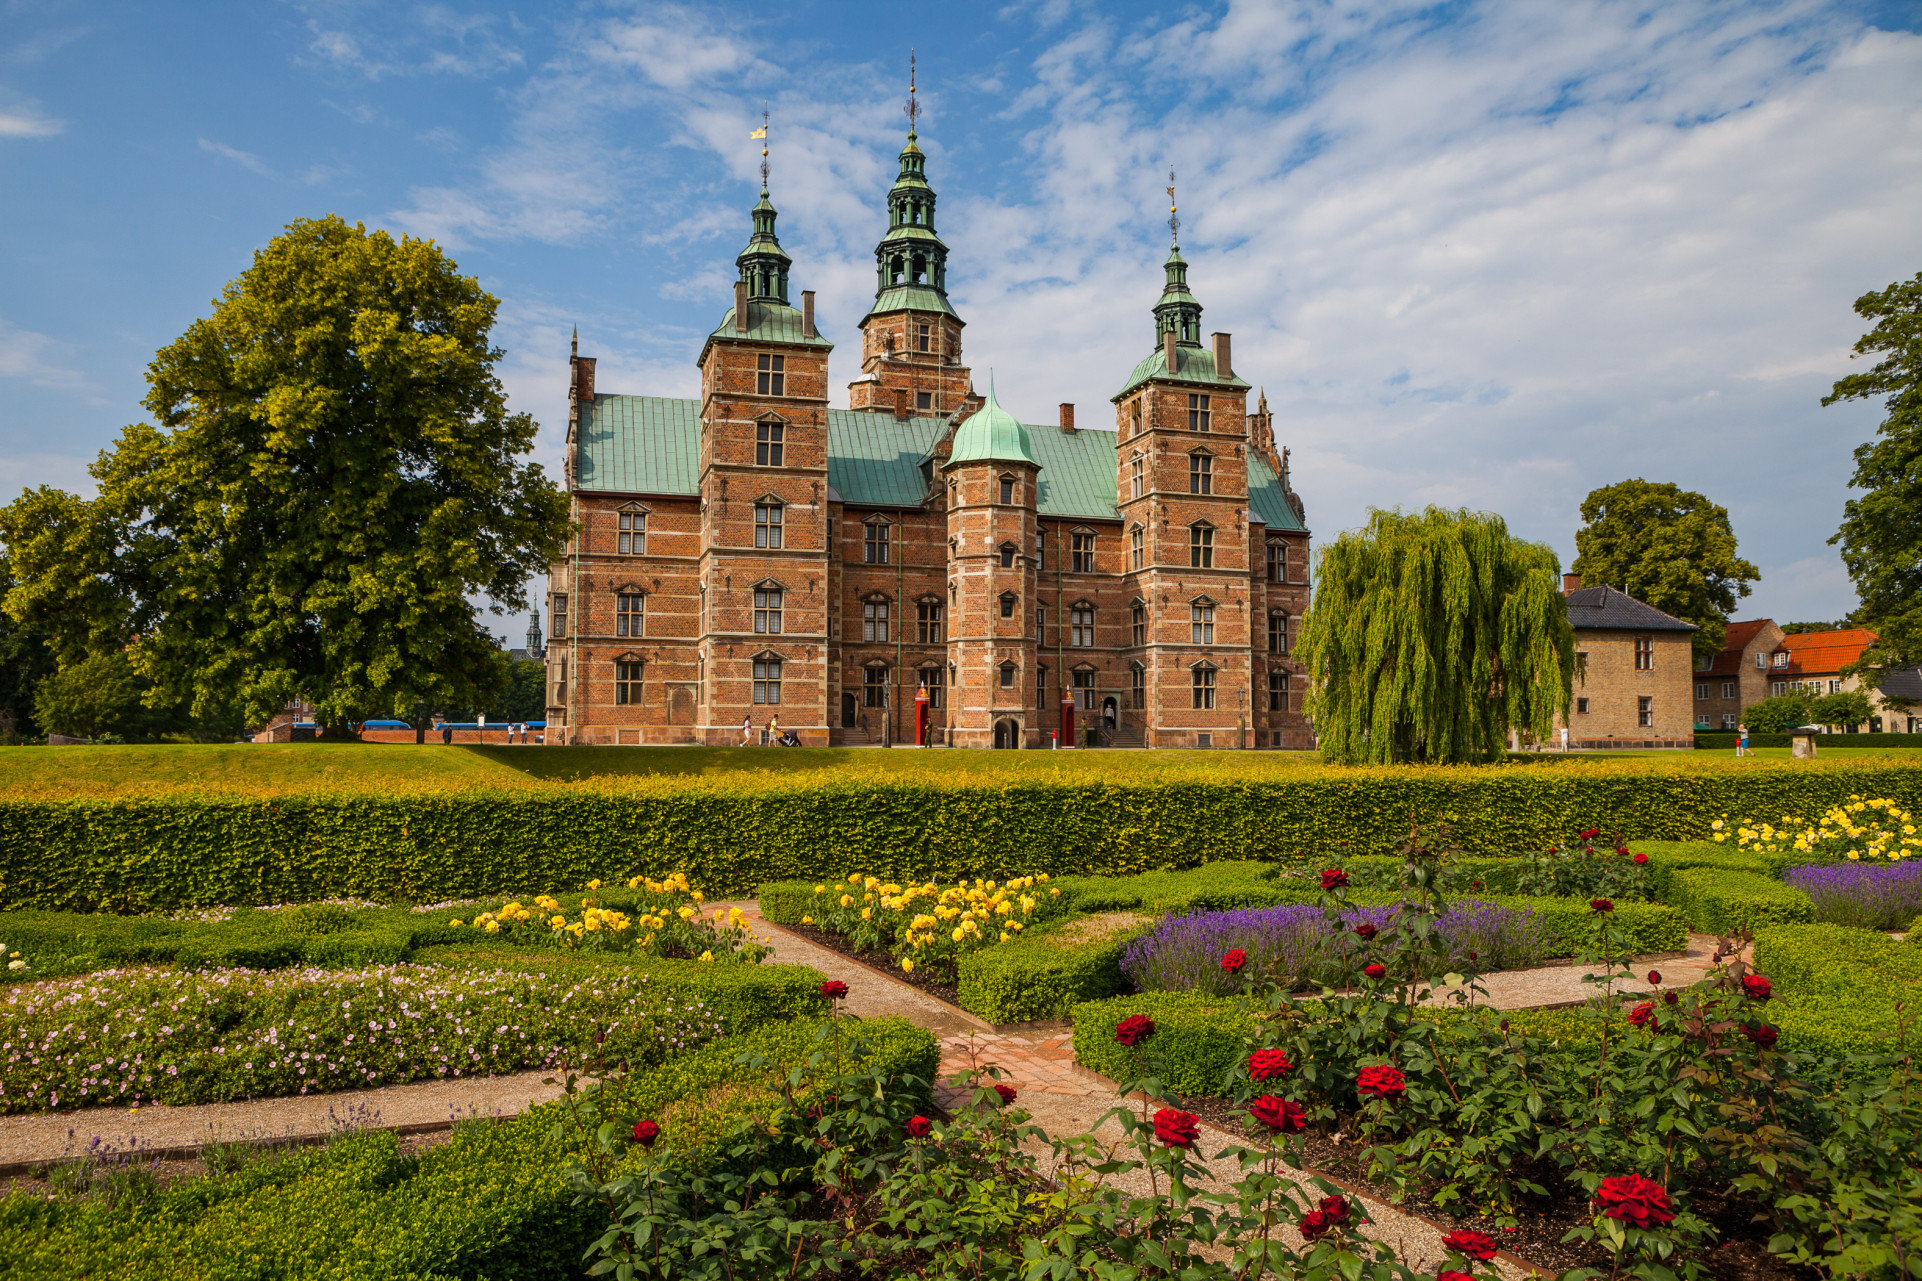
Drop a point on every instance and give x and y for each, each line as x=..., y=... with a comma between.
x=1621, y=849
x=1007, y=1093
x=1336, y=1208
x=1453, y=1276
x=918, y=1127
x=1269, y=1065
x=1382, y=1082
x=1590, y=834
x=1134, y=1029
x=1333, y=879
x=1654, y=978
x=1641, y=1014
x=1756, y=987
x=1279, y=1115
x=1600, y=905
x=1177, y=1129
x=645, y=1132
x=1234, y=960
x=834, y=990
x=1365, y=931
x=1668, y=997
x=1639, y=859
x=1473, y=1244
x=1761, y=1034
x=1374, y=970
x=1314, y=1226
x=1634, y=1200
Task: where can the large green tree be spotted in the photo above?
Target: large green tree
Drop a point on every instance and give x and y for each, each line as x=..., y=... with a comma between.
x=1881, y=534
x=331, y=474
x=1668, y=547
x=1431, y=636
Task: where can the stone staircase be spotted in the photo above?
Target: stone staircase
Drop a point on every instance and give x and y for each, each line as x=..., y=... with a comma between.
x=856, y=738
x=1123, y=736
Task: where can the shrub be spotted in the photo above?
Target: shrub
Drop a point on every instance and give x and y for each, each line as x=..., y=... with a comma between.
x=1885, y=897
x=1872, y=830
x=1040, y=976
x=1725, y=741
x=1839, y=986
x=1718, y=901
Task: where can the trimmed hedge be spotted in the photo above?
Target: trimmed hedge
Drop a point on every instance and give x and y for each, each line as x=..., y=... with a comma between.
x=1722, y=740
x=1038, y=976
x=491, y=1204
x=1725, y=900
x=150, y=853
x=1838, y=986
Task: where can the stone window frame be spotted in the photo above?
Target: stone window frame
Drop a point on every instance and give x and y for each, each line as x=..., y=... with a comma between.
x=765, y=672
x=1278, y=620
x=1278, y=688
x=629, y=669
x=1201, y=471
x=630, y=611
x=630, y=535
x=877, y=618
x=1009, y=554
x=768, y=614
x=1277, y=560
x=1007, y=489
x=1137, y=685
x=929, y=630
x=877, y=540
x=1138, y=621
x=1008, y=602
x=1137, y=546
x=770, y=440
x=1008, y=669
x=1083, y=679
x=1137, y=468
x=1081, y=624
x=770, y=523
x=1200, y=411
x=770, y=370
x=1201, y=544
x=1081, y=550
x=872, y=689
x=1201, y=620
x=1202, y=684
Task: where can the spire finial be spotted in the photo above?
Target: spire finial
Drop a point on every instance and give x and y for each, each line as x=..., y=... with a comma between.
x=761, y=133
x=576, y=348
x=913, y=109
x=1174, y=218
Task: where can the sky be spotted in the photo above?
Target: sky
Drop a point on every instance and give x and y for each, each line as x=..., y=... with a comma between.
x=1485, y=254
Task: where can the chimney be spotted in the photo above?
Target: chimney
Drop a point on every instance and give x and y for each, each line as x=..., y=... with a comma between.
x=1168, y=350
x=1571, y=583
x=584, y=377
x=807, y=313
x=900, y=402
x=1224, y=365
x=1067, y=416
x=740, y=306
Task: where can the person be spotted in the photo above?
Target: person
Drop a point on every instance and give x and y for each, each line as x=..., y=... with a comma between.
x=1741, y=740
x=747, y=730
x=1564, y=738
x=774, y=727
x=446, y=733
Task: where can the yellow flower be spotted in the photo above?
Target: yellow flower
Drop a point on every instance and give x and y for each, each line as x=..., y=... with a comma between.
x=707, y=956
x=558, y=922
x=820, y=889
x=455, y=922
x=847, y=900
x=807, y=920
x=959, y=934
x=593, y=924
x=907, y=966
x=867, y=913
x=696, y=896
x=494, y=927
x=594, y=885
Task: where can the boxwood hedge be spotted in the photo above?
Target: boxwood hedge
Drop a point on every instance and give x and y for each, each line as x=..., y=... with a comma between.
x=1838, y=987
x=145, y=853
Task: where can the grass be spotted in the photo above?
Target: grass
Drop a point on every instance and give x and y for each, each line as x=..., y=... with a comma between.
x=255, y=770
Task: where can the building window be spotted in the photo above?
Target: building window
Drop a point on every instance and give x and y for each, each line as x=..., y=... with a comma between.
x=633, y=541
x=772, y=380
x=1778, y=688
x=1782, y=659
x=1081, y=627
x=1644, y=711
x=1728, y=720
x=1201, y=624
x=874, y=686
x=768, y=438
x=927, y=623
x=557, y=618
x=1198, y=421
x=1138, y=687
x=1204, y=688
x=1083, y=554
x=1728, y=689
x=1007, y=555
x=1644, y=653
x=1007, y=675
x=1201, y=547
x=627, y=683
x=874, y=622
x=628, y=618
x=1040, y=622
x=930, y=680
x=874, y=550
x=1138, y=623
x=921, y=331
x=1835, y=687
x=560, y=684
x=767, y=524
x=1581, y=707
x=1041, y=686
x=1581, y=665
x=1085, y=690
x=1136, y=476
x=1277, y=562
x=1201, y=474
x=1134, y=547
x=1040, y=549
x=1007, y=490
x=1277, y=633
x=1277, y=691
x=767, y=610
x=1701, y=690
x=924, y=399
x=1134, y=421
x=767, y=681
x=1007, y=604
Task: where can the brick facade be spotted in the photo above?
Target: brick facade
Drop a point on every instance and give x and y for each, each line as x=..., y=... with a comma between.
x=1634, y=672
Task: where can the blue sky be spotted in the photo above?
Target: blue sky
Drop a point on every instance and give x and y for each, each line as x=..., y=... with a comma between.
x=1485, y=254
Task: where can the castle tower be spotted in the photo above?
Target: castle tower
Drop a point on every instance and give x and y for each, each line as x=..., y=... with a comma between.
x=992, y=482
x=1182, y=490
x=911, y=336
x=763, y=607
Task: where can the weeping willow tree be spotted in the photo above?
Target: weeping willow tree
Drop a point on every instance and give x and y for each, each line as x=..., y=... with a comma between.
x=1431, y=636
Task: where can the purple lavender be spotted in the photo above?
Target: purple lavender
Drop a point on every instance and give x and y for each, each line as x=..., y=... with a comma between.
x=1295, y=946
x=1872, y=896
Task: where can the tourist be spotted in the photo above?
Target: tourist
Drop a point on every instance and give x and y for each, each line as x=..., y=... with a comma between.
x=1741, y=741
x=747, y=731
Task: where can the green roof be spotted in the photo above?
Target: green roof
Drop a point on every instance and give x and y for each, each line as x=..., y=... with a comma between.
x=1266, y=498
x=991, y=434
x=769, y=321
x=639, y=445
x=1192, y=365
x=911, y=298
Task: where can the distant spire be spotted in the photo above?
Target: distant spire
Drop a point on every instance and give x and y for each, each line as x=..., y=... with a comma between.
x=763, y=265
x=763, y=136
x=577, y=341
x=913, y=109
x=1174, y=217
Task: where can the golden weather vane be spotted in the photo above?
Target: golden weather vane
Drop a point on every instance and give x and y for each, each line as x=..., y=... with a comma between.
x=761, y=133
x=1174, y=218
x=913, y=109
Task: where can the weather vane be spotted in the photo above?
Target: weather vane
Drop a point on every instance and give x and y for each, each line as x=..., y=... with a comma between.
x=1174, y=219
x=761, y=133
x=913, y=109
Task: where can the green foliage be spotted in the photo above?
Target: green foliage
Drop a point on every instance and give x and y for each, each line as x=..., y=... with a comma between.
x=1041, y=975
x=1416, y=620
x=1780, y=714
x=1667, y=547
x=1881, y=534
x=25, y=661
x=98, y=696
x=526, y=696
x=1840, y=986
x=1722, y=742
x=1844, y=707
x=1718, y=901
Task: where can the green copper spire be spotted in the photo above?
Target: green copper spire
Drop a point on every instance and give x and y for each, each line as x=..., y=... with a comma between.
x=1177, y=310
x=991, y=434
x=911, y=263
x=763, y=264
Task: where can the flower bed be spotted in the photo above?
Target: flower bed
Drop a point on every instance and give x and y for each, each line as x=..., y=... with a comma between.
x=126, y=1036
x=1860, y=829
x=1870, y=897
x=1294, y=946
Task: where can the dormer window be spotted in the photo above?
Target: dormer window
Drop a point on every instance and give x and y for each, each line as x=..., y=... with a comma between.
x=1198, y=413
x=771, y=379
x=769, y=438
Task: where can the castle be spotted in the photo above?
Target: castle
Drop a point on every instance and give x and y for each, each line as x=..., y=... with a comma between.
x=923, y=566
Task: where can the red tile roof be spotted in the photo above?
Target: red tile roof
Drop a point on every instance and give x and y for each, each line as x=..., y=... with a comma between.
x=1728, y=660
x=1823, y=653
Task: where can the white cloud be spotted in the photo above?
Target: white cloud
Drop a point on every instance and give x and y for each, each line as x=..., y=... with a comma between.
x=38, y=359
x=245, y=159
x=27, y=122
x=379, y=41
